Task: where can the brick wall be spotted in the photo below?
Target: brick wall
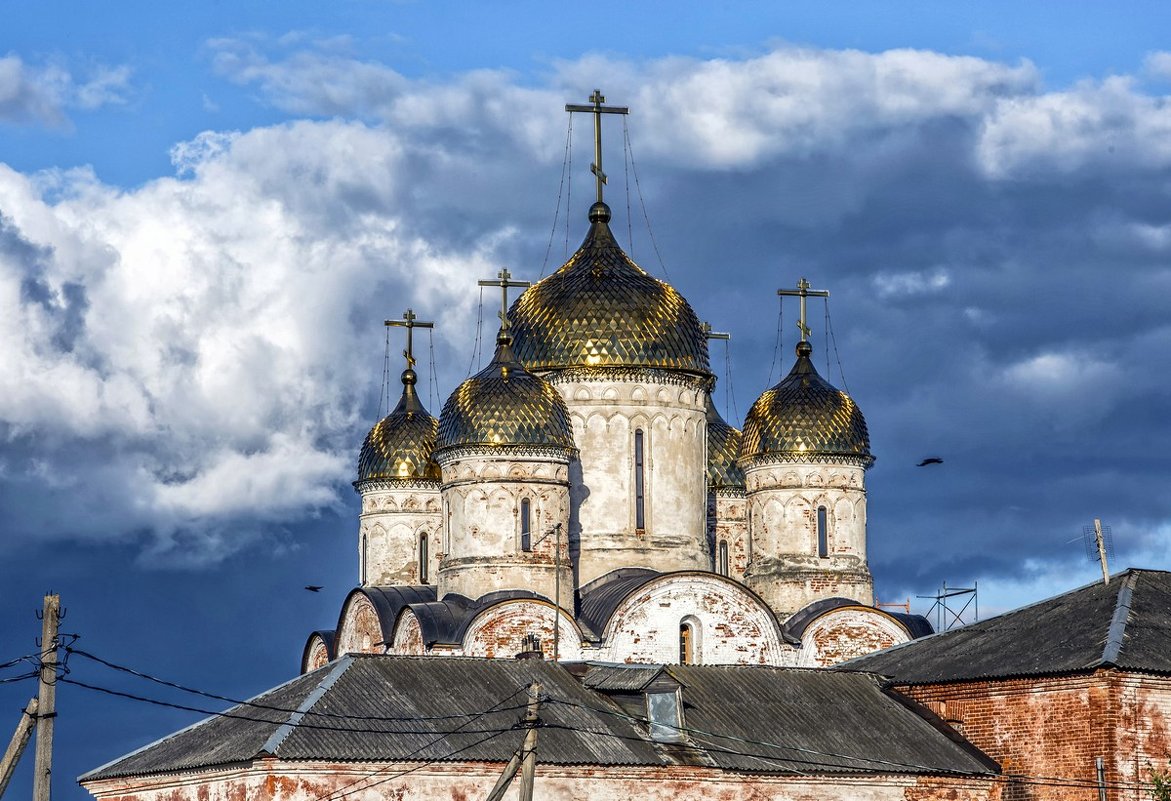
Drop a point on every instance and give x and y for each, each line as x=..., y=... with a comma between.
x=1046, y=730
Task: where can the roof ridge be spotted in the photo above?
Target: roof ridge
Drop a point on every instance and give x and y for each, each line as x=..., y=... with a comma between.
x=1117, y=631
x=285, y=729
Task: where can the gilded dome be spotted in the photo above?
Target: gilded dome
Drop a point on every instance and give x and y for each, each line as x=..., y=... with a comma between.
x=723, y=447
x=603, y=310
x=402, y=443
x=804, y=417
x=505, y=404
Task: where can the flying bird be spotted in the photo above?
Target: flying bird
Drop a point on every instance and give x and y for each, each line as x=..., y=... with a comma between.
x=930, y=460
x=313, y=587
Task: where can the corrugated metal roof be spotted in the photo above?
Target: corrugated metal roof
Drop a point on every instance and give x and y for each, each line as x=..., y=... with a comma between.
x=384, y=708
x=618, y=678
x=1126, y=623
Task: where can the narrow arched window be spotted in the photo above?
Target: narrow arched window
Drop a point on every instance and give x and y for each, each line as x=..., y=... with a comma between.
x=526, y=536
x=639, y=482
x=423, y=558
x=822, y=534
x=723, y=558
x=686, y=644
x=362, y=560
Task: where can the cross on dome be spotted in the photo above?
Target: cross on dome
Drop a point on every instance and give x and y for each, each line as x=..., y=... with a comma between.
x=409, y=322
x=597, y=109
x=803, y=291
x=503, y=280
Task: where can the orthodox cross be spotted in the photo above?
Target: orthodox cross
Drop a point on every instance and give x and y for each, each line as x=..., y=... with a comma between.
x=710, y=334
x=503, y=281
x=803, y=291
x=597, y=109
x=409, y=322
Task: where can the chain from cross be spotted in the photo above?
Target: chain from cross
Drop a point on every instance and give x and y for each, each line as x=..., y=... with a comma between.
x=597, y=109
x=803, y=291
x=409, y=322
x=503, y=280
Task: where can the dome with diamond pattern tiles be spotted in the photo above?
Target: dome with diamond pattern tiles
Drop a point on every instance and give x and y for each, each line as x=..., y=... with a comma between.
x=723, y=448
x=603, y=310
x=504, y=404
x=805, y=418
x=401, y=445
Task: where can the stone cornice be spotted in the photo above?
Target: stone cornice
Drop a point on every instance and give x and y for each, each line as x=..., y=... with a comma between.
x=504, y=452
x=377, y=484
x=809, y=459
x=641, y=375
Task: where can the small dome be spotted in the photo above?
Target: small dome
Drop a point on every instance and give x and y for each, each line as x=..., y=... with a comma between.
x=402, y=443
x=505, y=404
x=603, y=310
x=723, y=447
x=805, y=418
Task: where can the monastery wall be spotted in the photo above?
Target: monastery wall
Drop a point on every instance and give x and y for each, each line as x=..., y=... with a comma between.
x=607, y=415
x=1055, y=728
x=270, y=780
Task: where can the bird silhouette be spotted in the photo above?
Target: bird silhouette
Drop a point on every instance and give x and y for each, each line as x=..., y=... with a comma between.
x=930, y=460
x=314, y=587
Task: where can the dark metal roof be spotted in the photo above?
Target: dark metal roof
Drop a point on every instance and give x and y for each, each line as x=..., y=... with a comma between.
x=388, y=602
x=367, y=708
x=601, y=596
x=916, y=625
x=1124, y=624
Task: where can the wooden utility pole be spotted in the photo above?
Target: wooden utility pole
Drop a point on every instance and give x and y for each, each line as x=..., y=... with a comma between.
x=24, y=730
x=525, y=759
x=46, y=698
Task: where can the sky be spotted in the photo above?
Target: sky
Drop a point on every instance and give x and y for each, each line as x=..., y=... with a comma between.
x=207, y=210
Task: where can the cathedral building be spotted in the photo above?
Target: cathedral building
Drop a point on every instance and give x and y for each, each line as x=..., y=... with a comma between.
x=582, y=496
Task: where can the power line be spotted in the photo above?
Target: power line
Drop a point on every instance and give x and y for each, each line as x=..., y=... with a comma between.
x=255, y=705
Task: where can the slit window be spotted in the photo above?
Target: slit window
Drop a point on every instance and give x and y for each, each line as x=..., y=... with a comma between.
x=362, y=559
x=722, y=563
x=822, y=534
x=639, y=481
x=526, y=532
x=423, y=577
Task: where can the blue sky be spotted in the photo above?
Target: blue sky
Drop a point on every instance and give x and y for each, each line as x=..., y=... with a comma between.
x=207, y=210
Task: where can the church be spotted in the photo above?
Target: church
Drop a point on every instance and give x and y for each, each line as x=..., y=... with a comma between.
x=582, y=496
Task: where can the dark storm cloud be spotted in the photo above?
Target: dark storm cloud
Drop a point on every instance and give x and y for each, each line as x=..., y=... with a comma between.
x=997, y=255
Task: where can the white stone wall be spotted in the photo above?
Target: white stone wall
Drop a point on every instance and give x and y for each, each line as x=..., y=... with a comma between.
x=606, y=410
x=272, y=780
x=395, y=516
x=784, y=567
x=360, y=630
x=482, y=545
x=728, y=524
x=847, y=633
x=499, y=631
x=729, y=625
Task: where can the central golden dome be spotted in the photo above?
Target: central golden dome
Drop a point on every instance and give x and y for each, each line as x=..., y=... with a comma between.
x=805, y=418
x=603, y=310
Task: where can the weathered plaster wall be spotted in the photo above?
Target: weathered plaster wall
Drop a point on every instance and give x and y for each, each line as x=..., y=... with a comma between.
x=483, y=493
x=268, y=780
x=395, y=515
x=784, y=564
x=1054, y=727
x=317, y=654
x=606, y=410
x=500, y=630
x=731, y=627
x=728, y=523
x=360, y=631
x=847, y=633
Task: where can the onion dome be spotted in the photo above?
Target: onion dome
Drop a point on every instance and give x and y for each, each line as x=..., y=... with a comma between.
x=805, y=418
x=723, y=447
x=402, y=443
x=505, y=404
x=603, y=310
